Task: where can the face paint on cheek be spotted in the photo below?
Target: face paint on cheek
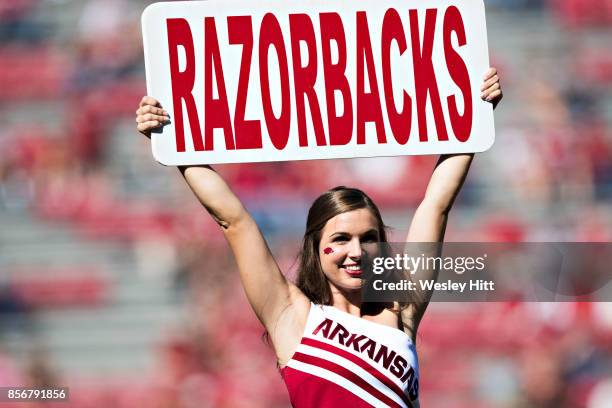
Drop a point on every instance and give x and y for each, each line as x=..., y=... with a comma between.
x=328, y=251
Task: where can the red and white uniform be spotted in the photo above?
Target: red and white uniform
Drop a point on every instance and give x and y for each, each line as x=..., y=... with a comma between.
x=344, y=360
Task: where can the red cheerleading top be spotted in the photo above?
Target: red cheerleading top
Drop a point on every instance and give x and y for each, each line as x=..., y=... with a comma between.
x=344, y=360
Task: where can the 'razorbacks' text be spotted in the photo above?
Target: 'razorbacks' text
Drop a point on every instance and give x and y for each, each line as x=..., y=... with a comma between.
x=338, y=114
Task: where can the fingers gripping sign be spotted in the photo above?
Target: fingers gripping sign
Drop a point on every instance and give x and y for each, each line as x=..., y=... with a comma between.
x=150, y=115
x=491, y=87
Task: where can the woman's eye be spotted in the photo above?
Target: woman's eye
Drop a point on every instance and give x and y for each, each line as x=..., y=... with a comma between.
x=369, y=238
x=340, y=239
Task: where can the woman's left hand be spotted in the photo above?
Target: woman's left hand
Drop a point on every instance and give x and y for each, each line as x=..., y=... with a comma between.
x=491, y=88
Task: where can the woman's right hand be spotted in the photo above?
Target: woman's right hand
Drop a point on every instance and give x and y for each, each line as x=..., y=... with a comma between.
x=150, y=115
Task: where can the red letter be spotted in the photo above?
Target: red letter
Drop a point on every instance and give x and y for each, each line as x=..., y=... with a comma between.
x=271, y=34
x=305, y=77
x=325, y=325
x=182, y=83
x=400, y=121
x=216, y=110
x=248, y=132
x=368, y=104
x=462, y=124
x=424, y=76
x=340, y=127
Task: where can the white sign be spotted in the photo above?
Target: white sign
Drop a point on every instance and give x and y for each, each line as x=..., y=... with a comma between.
x=253, y=81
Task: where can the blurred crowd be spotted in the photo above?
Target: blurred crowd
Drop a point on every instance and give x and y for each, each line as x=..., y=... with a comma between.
x=69, y=153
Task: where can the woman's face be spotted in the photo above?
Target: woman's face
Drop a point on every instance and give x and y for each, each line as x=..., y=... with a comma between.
x=348, y=242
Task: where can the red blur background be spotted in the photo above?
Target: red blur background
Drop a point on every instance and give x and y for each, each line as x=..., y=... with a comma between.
x=114, y=281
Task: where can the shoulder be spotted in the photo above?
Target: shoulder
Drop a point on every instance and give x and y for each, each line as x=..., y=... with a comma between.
x=409, y=318
x=290, y=324
x=292, y=318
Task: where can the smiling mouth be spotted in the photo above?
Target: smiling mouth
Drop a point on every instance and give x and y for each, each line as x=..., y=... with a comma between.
x=352, y=270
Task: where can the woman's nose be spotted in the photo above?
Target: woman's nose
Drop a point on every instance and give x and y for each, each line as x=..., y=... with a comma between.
x=355, y=249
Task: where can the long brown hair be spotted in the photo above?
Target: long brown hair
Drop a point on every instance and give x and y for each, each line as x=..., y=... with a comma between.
x=311, y=279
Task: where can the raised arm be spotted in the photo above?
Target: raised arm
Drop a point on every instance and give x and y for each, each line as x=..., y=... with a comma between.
x=267, y=289
x=429, y=221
